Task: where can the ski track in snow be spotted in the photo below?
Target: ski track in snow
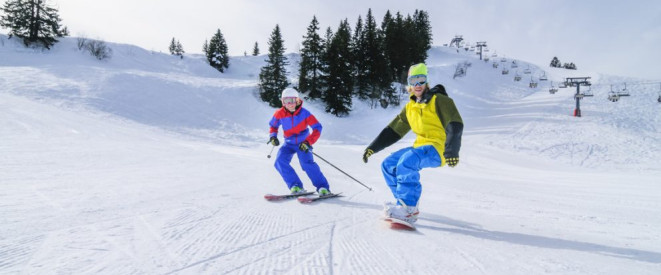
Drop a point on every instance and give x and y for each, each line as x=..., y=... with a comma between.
x=149, y=164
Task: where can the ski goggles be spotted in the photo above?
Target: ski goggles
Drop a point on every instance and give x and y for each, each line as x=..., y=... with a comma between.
x=289, y=100
x=417, y=80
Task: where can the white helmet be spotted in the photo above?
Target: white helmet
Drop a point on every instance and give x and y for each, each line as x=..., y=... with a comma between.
x=289, y=92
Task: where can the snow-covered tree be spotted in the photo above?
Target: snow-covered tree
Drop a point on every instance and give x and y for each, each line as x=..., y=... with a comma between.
x=33, y=21
x=216, y=52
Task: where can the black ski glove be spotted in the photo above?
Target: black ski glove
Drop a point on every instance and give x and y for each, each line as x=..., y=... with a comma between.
x=274, y=141
x=304, y=146
x=368, y=152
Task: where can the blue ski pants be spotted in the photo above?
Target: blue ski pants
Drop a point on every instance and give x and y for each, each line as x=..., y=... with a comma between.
x=283, y=165
x=402, y=171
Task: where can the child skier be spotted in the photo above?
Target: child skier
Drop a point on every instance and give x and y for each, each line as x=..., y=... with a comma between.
x=298, y=140
x=434, y=118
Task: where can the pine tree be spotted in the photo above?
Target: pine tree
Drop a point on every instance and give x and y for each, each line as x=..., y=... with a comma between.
x=423, y=38
x=205, y=47
x=325, y=60
x=33, y=21
x=339, y=81
x=396, y=47
x=273, y=76
x=179, y=50
x=555, y=62
x=310, y=65
x=217, y=52
x=173, y=46
x=359, y=61
x=255, y=50
x=375, y=61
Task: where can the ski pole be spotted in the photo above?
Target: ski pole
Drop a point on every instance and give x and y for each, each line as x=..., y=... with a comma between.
x=368, y=188
x=269, y=155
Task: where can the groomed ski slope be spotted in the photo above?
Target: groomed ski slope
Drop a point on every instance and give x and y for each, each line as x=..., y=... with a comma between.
x=149, y=164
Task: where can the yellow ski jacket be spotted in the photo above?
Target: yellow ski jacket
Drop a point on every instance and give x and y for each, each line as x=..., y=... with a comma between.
x=434, y=119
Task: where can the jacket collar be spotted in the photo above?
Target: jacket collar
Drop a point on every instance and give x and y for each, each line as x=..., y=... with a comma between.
x=426, y=97
x=298, y=110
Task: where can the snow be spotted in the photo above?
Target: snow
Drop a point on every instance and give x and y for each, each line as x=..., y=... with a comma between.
x=148, y=163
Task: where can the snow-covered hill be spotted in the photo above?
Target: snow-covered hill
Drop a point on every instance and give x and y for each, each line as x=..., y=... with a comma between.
x=147, y=163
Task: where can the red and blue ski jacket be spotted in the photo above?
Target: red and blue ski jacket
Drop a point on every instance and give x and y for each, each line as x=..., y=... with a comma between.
x=295, y=126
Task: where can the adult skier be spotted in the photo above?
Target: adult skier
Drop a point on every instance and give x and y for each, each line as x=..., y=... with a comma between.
x=295, y=121
x=434, y=118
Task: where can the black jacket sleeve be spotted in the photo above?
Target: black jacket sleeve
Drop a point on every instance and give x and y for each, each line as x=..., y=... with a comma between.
x=453, y=133
x=395, y=130
x=386, y=138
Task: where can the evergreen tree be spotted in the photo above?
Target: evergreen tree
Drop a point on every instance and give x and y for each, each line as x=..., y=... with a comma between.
x=173, y=46
x=422, y=40
x=339, y=81
x=555, y=62
x=396, y=47
x=310, y=65
x=205, y=47
x=255, y=50
x=375, y=61
x=33, y=21
x=359, y=61
x=179, y=50
x=217, y=52
x=325, y=60
x=273, y=76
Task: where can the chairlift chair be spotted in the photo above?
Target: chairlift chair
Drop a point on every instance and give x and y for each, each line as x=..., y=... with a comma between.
x=495, y=65
x=543, y=77
x=613, y=96
x=624, y=91
x=517, y=77
x=553, y=89
x=589, y=91
x=527, y=70
x=505, y=71
x=503, y=60
x=514, y=65
x=533, y=84
x=562, y=85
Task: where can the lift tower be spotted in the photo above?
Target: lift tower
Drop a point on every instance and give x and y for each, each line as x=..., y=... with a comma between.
x=577, y=82
x=480, y=45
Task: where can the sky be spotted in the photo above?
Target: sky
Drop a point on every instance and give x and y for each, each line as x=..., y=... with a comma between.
x=611, y=37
